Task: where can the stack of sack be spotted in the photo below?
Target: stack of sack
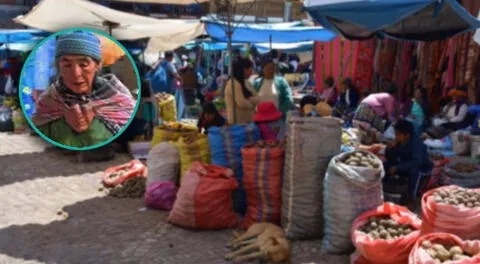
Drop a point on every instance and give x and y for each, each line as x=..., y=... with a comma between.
x=311, y=143
x=263, y=173
x=192, y=148
x=452, y=209
x=225, y=148
x=204, y=201
x=385, y=235
x=352, y=186
x=163, y=163
x=462, y=173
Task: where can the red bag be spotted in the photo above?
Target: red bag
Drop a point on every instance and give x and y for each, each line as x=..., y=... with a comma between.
x=204, y=201
x=262, y=180
x=381, y=251
x=418, y=255
x=134, y=168
x=445, y=218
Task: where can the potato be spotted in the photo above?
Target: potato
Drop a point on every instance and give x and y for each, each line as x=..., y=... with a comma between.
x=459, y=257
x=426, y=244
x=456, y=250
x=353, y=163
x=443, y=254
x=432, y=252
x=383, y=234
x=358, y=154
x=438, y=247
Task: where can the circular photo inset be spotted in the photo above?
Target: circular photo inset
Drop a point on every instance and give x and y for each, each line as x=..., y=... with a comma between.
x=79, y=88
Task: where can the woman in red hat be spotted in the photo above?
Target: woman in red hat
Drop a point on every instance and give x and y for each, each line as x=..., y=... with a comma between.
x=269, y=119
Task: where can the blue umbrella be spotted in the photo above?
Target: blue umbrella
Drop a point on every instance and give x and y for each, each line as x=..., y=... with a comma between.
x=424, y=20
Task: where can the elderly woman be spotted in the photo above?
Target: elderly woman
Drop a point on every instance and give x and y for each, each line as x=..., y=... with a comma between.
x=452, y=117
x=274, y=89
x=80, y=108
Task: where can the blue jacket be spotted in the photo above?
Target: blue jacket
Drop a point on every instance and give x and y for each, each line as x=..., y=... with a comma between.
x=412, y=156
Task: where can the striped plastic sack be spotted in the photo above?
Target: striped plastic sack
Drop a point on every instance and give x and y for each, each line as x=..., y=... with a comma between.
x=225, y=148
x=204, y=201
x=311, y=143
x=349, y=192
x=192, y=148
x=262, y=180
x=172, y=132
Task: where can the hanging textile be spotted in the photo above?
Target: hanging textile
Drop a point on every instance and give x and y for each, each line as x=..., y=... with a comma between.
x=337, y=59
x=364, y=66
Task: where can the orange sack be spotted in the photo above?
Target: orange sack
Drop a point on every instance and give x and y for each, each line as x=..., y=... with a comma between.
x=381, y=251
x=119, y=174
x=458, y=220
x=418, y=255
x=204, y=201
x=262, y=180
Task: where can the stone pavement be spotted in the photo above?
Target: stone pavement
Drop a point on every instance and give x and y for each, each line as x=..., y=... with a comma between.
x=36, y=182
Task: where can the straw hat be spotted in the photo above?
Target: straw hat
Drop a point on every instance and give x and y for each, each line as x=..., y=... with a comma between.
x=324, y=109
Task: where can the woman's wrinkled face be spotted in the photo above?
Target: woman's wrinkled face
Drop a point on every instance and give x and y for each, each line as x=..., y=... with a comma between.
x=269, y=70
x=78, y=72
x=247, y=72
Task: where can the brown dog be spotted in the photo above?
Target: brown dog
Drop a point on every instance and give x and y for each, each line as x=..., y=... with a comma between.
x=261, y=240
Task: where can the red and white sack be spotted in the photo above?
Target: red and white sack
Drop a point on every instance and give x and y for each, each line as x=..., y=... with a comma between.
x=419, y=255
x=382, y=251
x=445, y=218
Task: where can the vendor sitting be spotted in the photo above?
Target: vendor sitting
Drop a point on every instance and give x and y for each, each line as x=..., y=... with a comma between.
x=81, y=108
x=407, y=158
x=453, y=116
x=210, y=117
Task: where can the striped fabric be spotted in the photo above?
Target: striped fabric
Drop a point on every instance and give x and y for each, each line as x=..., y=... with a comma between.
x=110, y=99
x=263, y=171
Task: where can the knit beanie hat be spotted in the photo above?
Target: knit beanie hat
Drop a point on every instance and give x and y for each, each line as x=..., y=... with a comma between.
x=79, y=43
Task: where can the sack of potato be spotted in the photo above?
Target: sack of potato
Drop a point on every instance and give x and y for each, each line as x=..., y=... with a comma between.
x=192, y=148
x=352, y=186
x=452, y=209
x=385, y=235
x=444, y=248
x=462, y=173
x=167, y=107
x=172, y=131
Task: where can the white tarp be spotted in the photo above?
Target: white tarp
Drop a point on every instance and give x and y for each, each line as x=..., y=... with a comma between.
x=476, y=37
x=180, y=2
x=165, y=34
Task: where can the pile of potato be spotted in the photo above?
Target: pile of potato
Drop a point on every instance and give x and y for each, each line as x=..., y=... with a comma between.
x=361, y=159
x=465, y=167
x=162, y=97
x=441, y=253
x=458, y=197
x=131, y=188
x=384, y=227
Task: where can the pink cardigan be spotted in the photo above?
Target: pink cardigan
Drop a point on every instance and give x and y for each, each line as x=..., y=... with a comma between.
x=383, y=104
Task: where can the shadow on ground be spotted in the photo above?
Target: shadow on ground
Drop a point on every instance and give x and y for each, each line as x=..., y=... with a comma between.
x=50, y=163
x=109, y=230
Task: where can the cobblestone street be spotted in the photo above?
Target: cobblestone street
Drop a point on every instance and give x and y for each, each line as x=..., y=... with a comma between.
x=37, y=181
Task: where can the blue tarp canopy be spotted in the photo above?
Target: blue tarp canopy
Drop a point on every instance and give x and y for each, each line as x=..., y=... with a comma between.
x=210, y=45
x=423, y=20
x=265, y=33
x=22, y=35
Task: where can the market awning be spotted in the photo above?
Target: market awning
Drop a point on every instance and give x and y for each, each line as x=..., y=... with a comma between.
x=21, y=35
x=178, y=2
x=286, y=47
x=265, y=33
x=164, y=34
x=425, y=20
x=476, y=37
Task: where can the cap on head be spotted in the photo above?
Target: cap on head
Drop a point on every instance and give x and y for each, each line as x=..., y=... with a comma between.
x=79, y=43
